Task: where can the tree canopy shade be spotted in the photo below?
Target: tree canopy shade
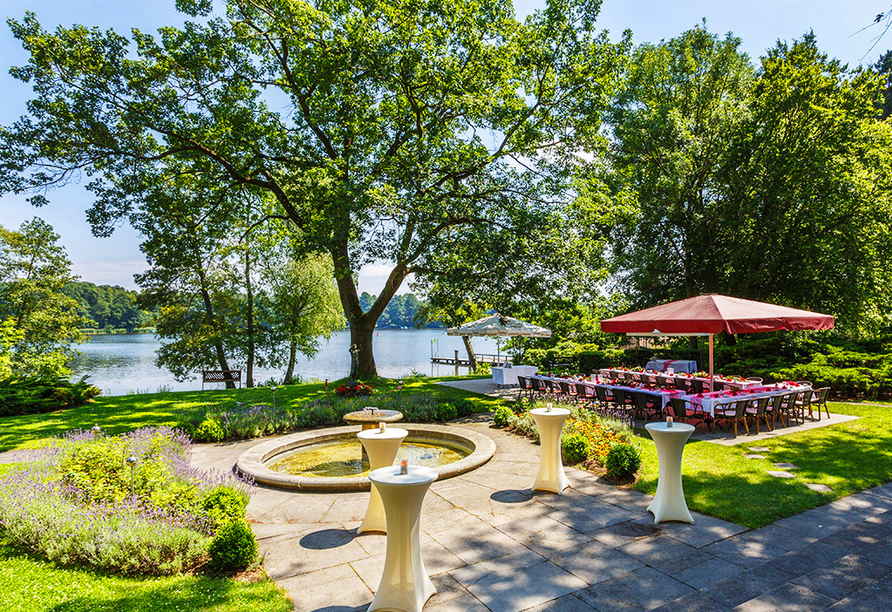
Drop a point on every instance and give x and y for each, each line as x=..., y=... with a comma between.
x=405, y=121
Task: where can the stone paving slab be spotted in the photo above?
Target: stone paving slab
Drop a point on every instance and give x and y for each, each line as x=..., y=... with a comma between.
x=493, y=545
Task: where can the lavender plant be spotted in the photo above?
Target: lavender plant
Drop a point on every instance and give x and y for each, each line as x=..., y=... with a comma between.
x=79, y=503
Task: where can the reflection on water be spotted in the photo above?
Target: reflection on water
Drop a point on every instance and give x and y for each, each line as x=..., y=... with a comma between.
x=342, y=459
x=121, y=364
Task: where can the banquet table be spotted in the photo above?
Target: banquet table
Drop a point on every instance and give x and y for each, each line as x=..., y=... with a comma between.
x=708, y=401
x=678, y=365
x=737, y=384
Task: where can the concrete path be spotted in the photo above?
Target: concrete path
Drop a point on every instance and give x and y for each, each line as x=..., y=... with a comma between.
x=490, y=544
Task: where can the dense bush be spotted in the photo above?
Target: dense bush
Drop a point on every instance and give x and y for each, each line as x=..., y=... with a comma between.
x=463, y=407
x=502, y=416
x=37, y=396
x=73, y=504
x=446, y=412
x=622, y=461
x=234, y=547
x=574, y=448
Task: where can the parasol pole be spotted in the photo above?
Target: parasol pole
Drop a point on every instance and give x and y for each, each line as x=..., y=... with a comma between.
x=711, y=375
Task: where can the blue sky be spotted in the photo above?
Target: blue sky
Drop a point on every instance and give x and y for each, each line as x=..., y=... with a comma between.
x=759, y=23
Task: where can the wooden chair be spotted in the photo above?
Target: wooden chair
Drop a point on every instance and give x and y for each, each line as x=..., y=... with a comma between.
x=802, y=403
x=585, y=393
x=734, y=412
x=683, y=414
x=647, y=405
x=567, y=392
x=774, y=408
x=819, y=399
x=758, y=411
x=697, y=385
x=624, y=401
x=787, y=408
x=524, y=387
x=681, y=383
x=605, y=397
x=755, y=378
x=539, y=389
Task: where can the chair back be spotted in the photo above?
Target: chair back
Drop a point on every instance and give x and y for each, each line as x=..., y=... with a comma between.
x=564, y=386
x=821, y=395
x=620, y=395
x=697, y=385
x=776, y=401
x=679, y=409
x=717, y=385
x=755, y=378
x=601, y=393
x=681, y=383
x=629, y=376
x=806, y=383
x=583, y=391
x=538, y=385
x=762, y=405
x=740, y=407
x=805, y=396
x=523, y=382
x=640, y=400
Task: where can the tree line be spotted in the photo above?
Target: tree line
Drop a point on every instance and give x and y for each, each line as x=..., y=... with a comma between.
x=533, y=167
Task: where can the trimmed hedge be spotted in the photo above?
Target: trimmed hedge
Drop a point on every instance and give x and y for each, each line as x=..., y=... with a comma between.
x=34, y=395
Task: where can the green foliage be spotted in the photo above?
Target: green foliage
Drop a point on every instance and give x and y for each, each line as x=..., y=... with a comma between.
x=224, y=505
x=575, y=448
x=38, y=322
x=108, y=307
x=37, y=396
x=623, y=460
x=446, y=412
x=463, y=407
x=209, y=430
x=234, y=547
x=449, y=198
x=502, y=416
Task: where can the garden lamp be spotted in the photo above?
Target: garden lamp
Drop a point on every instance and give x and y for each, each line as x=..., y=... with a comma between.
x=131, y=461
x=274, y=398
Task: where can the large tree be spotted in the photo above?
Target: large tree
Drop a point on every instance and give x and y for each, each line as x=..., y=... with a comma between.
x=38, y=322
x=405, y=121
x=672, y=125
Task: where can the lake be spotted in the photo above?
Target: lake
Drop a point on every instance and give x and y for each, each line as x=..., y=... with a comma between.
x=120, y=364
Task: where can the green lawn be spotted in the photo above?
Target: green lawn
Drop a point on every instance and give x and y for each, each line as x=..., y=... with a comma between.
x=719, y=481
x=119, y=414
x=30, y=584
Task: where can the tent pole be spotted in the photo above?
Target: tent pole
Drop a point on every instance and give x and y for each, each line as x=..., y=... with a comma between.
x=711, y=375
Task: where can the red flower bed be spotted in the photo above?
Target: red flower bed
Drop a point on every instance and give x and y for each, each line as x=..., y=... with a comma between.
x=354, y=389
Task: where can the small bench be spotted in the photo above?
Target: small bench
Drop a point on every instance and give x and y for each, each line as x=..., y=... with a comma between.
x=221, y=376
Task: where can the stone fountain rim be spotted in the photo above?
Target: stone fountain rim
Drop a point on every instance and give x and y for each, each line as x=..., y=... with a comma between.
x=253, y=461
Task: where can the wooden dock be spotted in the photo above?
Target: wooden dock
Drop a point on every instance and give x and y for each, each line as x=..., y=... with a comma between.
x=463, y=362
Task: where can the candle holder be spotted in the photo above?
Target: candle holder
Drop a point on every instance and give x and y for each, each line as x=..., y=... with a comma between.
x=668, y=421
x=404, y=467
x=381, y=427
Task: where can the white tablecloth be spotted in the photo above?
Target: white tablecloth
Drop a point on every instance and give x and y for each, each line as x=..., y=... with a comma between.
x=679, y=365
x=508, y=376
x=709, y=401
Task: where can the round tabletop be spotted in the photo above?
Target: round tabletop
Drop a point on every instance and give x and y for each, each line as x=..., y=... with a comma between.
x=664, y=427
x=391, y=433
x=373, y=416
x=553, y=412
x=391, y=475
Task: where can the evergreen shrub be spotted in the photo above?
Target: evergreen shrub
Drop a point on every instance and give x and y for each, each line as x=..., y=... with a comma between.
x=233, y=548
x=623, y=460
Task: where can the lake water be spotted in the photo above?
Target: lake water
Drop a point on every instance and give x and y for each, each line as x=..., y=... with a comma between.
x=121, y=364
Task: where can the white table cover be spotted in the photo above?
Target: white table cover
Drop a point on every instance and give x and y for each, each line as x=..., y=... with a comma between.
x=679, y=365
x=508, y=376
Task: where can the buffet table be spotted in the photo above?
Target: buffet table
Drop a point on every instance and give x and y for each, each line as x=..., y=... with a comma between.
x=507, y=377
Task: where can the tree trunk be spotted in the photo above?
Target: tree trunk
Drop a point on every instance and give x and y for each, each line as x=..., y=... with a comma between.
x=472, y=358
x=249, y=366
x=292, y=359
x=362, y=325
x=211, y=319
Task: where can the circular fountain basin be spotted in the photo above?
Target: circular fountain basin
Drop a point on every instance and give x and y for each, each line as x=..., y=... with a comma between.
x=256, y=461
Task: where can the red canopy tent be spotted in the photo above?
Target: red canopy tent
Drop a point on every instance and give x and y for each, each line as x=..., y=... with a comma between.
x=711, y=314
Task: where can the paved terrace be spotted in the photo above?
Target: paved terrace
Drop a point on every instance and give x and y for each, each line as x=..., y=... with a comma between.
x=490, y=543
